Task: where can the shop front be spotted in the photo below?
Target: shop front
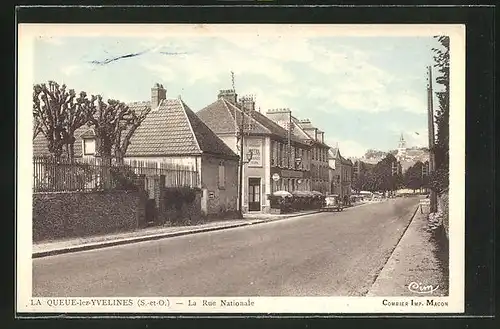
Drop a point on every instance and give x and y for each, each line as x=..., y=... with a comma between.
x=289, y=180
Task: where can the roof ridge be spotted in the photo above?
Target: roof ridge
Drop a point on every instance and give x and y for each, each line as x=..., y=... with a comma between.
x=230, y=114
x=296, y=123
x=189, y=124
x=250, y=117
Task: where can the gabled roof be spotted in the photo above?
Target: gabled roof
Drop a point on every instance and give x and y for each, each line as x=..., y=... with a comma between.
x=174, y=129
x=333, y=153
x=224, y=117
x=345, y=161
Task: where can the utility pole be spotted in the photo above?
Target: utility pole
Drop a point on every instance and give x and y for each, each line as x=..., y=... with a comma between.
x=240, y=135
x=289, y=138
x=430, y=120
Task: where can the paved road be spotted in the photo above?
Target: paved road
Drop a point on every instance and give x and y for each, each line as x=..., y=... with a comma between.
x=325, y=254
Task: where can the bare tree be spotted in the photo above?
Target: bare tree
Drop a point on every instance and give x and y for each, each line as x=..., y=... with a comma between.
x=49, y=115
x=114, y=123
x=57, y=113
x=78, y=114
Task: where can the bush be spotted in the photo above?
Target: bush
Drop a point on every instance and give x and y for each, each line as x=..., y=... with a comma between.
x=280, y=202
x=301, y=200
x=175, y=197
x=123, y=178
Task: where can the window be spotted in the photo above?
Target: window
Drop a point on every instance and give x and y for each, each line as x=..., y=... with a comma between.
x=222, y=176
x=89, y=146
x=275, y=156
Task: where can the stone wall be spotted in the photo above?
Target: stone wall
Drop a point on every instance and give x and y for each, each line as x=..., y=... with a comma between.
x=79, y=214
x=443, y=207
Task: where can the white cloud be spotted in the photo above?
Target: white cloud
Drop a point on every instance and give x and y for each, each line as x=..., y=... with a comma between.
x=276, y=48
x=210, y=66
x=70, y=69
x=52, y=40
x=164, y=72
x=265, y=99
x=416, y=138
x=348, y=148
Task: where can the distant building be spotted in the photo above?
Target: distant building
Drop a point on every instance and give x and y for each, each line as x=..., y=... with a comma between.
x=401, y=148
x=340, y=174
x=409, y=156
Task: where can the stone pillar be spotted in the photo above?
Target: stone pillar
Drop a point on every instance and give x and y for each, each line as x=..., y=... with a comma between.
x=204, y=202
x=160, y=201
x=142, y=198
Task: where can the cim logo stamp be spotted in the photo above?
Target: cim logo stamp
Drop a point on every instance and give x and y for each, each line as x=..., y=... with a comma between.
x=419, y=288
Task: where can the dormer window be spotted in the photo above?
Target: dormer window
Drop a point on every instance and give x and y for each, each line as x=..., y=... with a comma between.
x=89, y=146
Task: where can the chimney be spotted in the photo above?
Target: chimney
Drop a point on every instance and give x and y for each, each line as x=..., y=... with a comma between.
x=248, y=103
x=281, y=116
x=320, y=136
x=158, y=93
x=229, y=95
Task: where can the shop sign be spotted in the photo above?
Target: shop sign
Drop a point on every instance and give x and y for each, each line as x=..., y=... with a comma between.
x=255, y=146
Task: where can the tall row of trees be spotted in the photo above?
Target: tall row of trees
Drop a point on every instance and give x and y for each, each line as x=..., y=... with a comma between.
x=440, y=177
x=58, y=112
x=381, y=177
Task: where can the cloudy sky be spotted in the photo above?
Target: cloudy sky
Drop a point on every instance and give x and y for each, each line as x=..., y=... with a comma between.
x=362, y=91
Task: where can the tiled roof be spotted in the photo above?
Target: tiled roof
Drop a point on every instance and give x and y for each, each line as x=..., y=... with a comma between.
x=223, y=116
x=173, y=129
x=218, y=117
x=333, y=152
x=207, y=139
x=345, y=161
x=40, y=143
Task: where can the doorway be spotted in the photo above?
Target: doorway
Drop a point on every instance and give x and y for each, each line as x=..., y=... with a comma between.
x=254, y=194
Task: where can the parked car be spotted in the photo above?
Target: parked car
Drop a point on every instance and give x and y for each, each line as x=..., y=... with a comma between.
x=332, y=203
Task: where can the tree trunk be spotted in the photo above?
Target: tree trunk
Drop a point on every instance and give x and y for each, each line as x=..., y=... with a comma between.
x=119, y=157
x=71, y=152
x=106, y=171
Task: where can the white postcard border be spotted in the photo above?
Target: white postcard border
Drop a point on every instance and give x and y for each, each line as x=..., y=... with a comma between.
x=455, y=301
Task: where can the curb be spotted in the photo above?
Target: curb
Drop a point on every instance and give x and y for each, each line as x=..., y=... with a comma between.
x=131, y=240
x=395, y=247
x=106, y=244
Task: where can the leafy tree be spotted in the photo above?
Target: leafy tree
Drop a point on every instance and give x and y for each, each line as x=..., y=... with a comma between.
x=57, y=113
x=440, y=177
x=413, y=176
x=384, y=180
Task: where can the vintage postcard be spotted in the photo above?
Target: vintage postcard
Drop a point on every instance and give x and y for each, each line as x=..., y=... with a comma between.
x=240, y=168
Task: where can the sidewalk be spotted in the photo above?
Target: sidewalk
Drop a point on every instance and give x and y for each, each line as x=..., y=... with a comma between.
x=417, y=265
x=48, y=248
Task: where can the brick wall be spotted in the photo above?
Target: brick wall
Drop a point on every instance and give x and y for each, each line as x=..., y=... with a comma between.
x=78, y=214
